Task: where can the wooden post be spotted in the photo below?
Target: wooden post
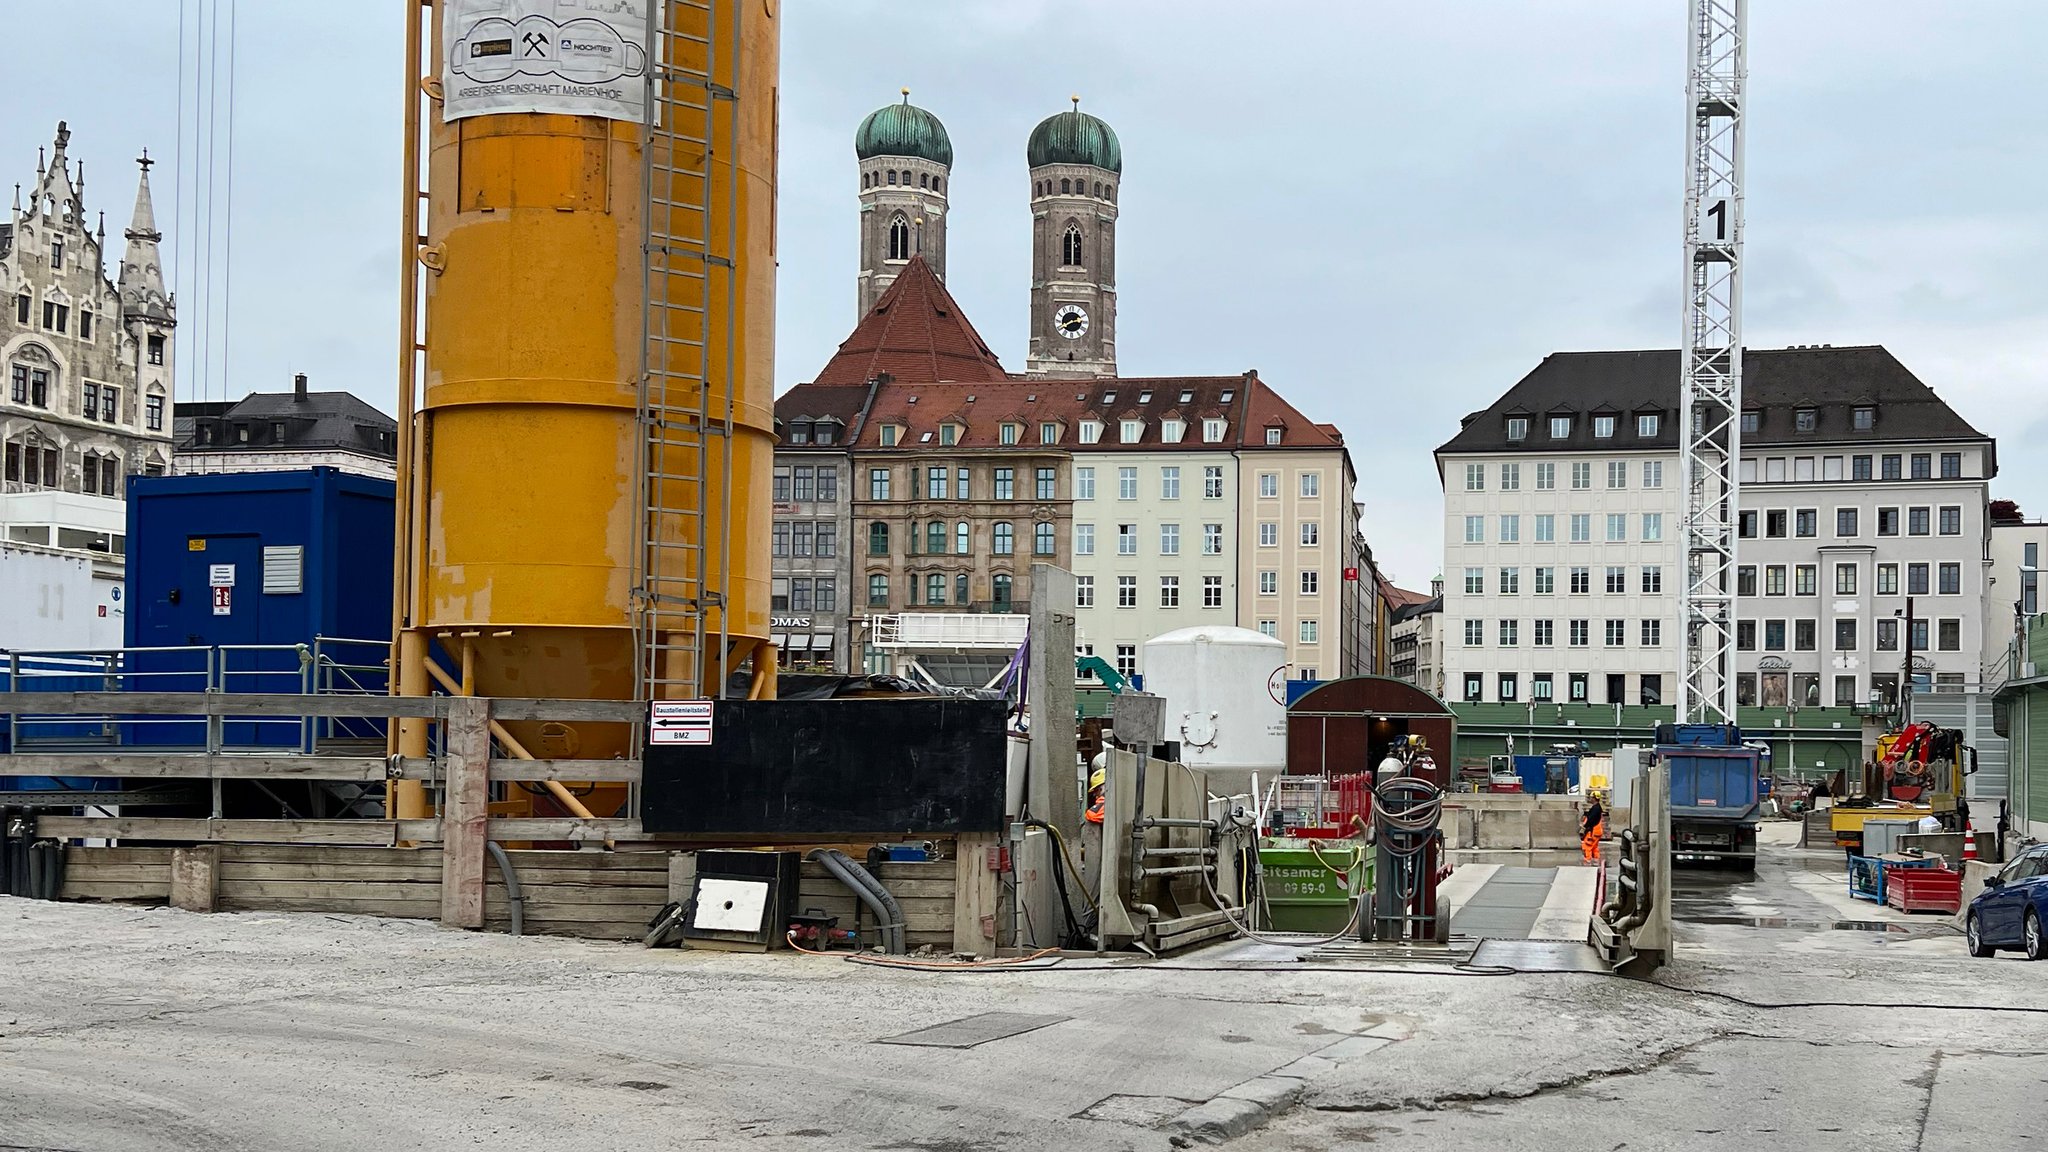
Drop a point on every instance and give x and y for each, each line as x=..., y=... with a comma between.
x=974, y=893
x=465, y=812
x=195, y=878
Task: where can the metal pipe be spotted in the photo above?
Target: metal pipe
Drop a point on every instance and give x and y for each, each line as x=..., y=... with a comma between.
x=513, y=896
x=1175, y=870
x=869, y=891
x=406, y=799
x=1175, y=822
x=1204, y=853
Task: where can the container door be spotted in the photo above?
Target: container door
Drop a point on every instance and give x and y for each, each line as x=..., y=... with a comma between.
x=225, y=583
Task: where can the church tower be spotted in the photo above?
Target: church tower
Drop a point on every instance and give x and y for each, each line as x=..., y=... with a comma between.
x=146, y=308
x=906, y=163
x=1076, y=165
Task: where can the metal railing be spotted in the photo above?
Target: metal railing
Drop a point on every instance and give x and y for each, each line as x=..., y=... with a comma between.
x=328, y=666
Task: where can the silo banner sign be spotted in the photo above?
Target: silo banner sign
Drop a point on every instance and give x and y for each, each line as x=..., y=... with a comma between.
x=569, y=57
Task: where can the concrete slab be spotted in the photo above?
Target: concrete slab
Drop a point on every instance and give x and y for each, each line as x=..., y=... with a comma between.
x=974, y=1031
x=1569, y=906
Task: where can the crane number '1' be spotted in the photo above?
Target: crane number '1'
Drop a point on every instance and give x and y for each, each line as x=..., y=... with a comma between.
x=1717, y=231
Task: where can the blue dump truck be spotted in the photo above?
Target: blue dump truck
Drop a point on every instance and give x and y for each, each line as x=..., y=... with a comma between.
x=1715, y=794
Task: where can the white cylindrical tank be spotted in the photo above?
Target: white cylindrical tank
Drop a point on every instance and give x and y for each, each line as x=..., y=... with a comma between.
x=1225, y=692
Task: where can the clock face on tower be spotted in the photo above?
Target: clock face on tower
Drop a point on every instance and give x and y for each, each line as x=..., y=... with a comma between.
x=1071, y=321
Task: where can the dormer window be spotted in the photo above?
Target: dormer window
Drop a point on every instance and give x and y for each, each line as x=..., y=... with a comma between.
x=1518, y=428
x=1187, y=395
x=888, y=436
x=1009, y=433
x=1109, y=397
x=1560, y=427
x=1805, y=419
x=1226, y=396
x=1272, y=435
x=1130, y=431
x=1172, y=431
x=1603, y=427
x=800, y=432
x=949, y=434
x=1091, y=431
x=825, y=432
x=1145, y=397
x=1752, y=419
x=1212, y=431
x=1646, y=426
x=1864, y=418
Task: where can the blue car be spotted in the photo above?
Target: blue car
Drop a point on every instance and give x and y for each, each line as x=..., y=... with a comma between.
x=2012, y=911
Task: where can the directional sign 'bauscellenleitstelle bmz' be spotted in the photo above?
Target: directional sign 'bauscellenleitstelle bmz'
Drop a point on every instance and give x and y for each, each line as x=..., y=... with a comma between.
x=679, y=722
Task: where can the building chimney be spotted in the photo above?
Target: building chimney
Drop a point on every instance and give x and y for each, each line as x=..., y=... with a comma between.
x=299, y=388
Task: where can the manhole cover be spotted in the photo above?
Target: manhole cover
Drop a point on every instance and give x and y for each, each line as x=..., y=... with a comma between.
x=970, y=1031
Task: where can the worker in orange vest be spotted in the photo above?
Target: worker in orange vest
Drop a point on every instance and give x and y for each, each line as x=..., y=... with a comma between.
x=1592, y=828
x=1097, y=788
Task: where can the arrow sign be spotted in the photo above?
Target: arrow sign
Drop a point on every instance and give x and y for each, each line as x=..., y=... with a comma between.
x=679, y=722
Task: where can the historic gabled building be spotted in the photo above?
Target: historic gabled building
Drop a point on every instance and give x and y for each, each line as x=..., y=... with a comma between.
x=1175, y=501
x=87, y=359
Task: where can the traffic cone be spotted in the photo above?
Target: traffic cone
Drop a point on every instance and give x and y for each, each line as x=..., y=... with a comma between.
x=1969, y=842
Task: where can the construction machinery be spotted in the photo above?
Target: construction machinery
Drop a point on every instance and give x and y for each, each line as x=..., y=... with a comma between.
x=1715, y=801
x=1918, y=772
x=589, y=267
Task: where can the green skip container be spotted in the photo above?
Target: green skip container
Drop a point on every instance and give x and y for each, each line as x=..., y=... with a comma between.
x=1311, y=889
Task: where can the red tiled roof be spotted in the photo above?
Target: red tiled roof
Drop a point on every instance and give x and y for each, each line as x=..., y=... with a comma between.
x=980, y=410
x=1269, y=408
x=1402, y=597
x=916, y=334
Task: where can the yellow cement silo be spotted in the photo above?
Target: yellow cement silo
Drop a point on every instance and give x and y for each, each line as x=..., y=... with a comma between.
x=526, y=508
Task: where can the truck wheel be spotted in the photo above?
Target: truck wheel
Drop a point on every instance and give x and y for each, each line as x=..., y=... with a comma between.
x=2031, y=941
x=1975, y=939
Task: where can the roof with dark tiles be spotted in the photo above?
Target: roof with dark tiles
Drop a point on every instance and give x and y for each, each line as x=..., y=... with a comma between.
x=1777, y=383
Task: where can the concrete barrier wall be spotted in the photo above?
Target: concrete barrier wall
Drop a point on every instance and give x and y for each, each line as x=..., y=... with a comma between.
x=1515, y=822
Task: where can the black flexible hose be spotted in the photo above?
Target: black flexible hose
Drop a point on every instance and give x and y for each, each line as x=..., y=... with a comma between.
x=1076, y=936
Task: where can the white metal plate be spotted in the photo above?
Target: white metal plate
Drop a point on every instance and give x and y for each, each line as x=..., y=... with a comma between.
x=730, y=905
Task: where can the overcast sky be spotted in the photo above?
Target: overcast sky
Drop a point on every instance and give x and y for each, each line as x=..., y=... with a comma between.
x=1391, y=210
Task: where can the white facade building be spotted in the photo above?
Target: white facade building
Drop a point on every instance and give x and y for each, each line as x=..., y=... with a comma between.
x=1563, y=551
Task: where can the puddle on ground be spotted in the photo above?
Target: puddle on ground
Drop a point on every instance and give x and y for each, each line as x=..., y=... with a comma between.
x=1785, y=922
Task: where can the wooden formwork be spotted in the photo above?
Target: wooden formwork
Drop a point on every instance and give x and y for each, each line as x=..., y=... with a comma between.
x=439, y=868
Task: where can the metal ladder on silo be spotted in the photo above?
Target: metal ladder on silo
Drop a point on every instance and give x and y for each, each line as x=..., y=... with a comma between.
x=690, y=232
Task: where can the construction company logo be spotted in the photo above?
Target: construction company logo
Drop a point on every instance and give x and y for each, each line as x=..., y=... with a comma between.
x=554, y=56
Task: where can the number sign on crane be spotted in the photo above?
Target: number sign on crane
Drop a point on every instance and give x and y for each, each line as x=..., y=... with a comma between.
x=1710, y=428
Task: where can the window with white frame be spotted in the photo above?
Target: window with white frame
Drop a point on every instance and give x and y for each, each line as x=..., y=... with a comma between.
x=1084, y=591
x=1603, y=427
x=1511, y=529
x=1127, y=483
x=1653, y=579
x=1653, y=472
x=1269, y=583
x=1475, y=529
x=1269, y=534
x=1169, y=591
x=1212, y=482
x=1475, y=477
x=1617, y=526
x=1127, y=539
x=1546, y=477
x=1311, y=582
x=1511, y=581
x=1169, y=483
x=1582, y=475
x=1510, y=477
x=1309, y=632
x=1510, y=633
x=1582, y=527
x=1084, y=483
x=1475, y=633
x=1212, y=591
x=1172, y=431
x=1311, y=484
x=1127, y=591
x=1617, y=473
x=1269, y=485
x=1212, y=431
x=1084, y=539
x=1546, y=528
x=1212, y=539
x=1130, y=431
x=1475, y=581
x=1091, y=431
x=1311, y=534
x=1169, y=539
x=1653, y=526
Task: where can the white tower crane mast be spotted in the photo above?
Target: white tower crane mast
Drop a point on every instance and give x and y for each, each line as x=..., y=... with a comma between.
x=1711, y=358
